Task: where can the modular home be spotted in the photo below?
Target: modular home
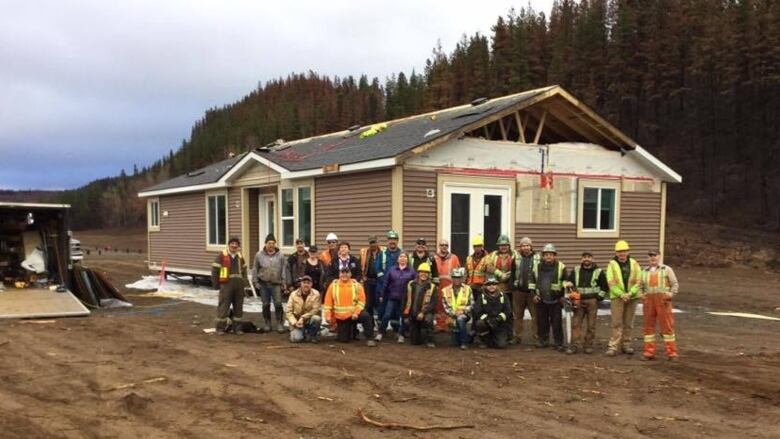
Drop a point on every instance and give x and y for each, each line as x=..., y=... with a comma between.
x=538, y=163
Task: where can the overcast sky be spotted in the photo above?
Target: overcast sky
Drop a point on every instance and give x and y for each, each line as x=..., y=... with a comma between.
x=88, y=88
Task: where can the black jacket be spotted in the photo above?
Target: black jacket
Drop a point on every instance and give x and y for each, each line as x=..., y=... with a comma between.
x=415, y=261
x=492, y=307
x=354, y=266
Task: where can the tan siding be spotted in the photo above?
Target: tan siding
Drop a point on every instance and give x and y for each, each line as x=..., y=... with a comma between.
x=353, y=206
x=419, y=211
x=234, y=212
x=639, y=225
x=181, y=241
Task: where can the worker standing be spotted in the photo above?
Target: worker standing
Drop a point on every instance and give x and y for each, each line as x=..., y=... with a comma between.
x=659, y=285
x=269, y=276
x=229, y=272
x=589, y=288
x=623, y=277
x=420, y=256
x=501, y=264
x=458, y=302
x=344, y=308
x=303, y=312
x=386, y=260
x=345, y=259
x=549, y=277
x=419, y=306
x=492, y=310
x=476, y=266
x=524, y=289
x=397, y=279
x=446, y=261
x=296, y=265
x=328, y=255
x=368, y=257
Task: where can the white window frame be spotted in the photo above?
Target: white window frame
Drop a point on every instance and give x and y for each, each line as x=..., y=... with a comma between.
x=294, y=185
x=217, y=246
x=283, y=218
x=597, y=184
x=153, y=218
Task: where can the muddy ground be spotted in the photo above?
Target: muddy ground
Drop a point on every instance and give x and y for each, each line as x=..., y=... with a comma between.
x=152, y=372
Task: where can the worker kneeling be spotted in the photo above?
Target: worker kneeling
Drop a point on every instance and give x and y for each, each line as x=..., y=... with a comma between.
x=303, y=312
x=458, y=300
x=344, y=307
x=419, y=306
x=492, y=309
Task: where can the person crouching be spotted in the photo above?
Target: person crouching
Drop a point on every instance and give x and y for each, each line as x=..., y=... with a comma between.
x=303, y=312
x=344, y=307
x=419, y=307
x=492, y=309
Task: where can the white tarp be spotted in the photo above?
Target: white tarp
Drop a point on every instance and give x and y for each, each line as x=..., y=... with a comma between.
x=183, y=289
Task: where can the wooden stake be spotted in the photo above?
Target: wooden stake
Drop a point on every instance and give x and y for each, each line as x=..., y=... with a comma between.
x=541, y=126
x=520, y=127
x=503, y=129
x=392, y=425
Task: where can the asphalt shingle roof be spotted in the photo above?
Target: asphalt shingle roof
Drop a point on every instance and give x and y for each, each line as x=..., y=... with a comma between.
x=209, y=174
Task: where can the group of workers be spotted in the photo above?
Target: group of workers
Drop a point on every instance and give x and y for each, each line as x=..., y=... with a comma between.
x=421, y=293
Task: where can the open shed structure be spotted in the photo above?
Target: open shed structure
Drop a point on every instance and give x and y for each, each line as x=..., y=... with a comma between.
x=538, y=163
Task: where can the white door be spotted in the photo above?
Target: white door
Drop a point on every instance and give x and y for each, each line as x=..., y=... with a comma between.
x=471, y=210
x=267, y=215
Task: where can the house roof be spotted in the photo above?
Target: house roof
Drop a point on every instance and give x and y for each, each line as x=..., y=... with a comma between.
x=401, y=135
x=210, y=174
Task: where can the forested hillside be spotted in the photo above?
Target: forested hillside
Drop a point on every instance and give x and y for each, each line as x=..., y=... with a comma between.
x=696, y=82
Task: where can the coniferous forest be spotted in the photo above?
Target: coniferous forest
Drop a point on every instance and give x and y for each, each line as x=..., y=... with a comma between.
x=696, y=82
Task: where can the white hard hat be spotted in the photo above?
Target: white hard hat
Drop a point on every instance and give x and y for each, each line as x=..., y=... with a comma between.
x=331, y=237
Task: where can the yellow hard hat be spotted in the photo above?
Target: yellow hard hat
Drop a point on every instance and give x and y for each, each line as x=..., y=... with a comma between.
x=478, y=240
x=424, y=267
x=621, y=246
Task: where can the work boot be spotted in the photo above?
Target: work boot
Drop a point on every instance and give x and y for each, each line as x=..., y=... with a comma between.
x=571, y=350
x=588, y=350
x=645, y=358
x=611, y=352
x=220, y=328
x=463, y=347
x=371, y=343
x=628, y=350
x=560, y=348
x=267, y=318
x=401, y=339
x=378, y=337
x=431, y=344
x=238, y=328
x=542, y=344
x=280, y=321
x=314, y=339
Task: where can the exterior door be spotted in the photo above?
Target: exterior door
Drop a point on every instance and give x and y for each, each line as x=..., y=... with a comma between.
x=267, y=216
x=471, y=210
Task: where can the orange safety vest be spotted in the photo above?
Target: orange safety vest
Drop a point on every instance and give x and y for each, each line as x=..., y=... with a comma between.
x=364, y=259
x=343, y=306
x=410, y=296
x=445, y=267
x=475, y=273
x=224, y=269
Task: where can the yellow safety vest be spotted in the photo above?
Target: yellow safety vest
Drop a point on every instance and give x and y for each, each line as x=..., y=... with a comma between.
x=557, y=286
x=593, y=288
x=459, y=299
x=615, y=279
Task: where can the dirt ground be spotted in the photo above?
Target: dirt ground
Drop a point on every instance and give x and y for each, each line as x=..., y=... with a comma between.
x=152, y=372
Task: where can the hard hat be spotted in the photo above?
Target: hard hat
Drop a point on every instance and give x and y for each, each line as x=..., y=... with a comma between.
x=491, y=281
x=503, y=240
x=621, y=246
x=526, y=241
x=424, y=267
x=331, y=237
x=478, y=240
x=392, y=234
x=549, y=248
x=458, y=272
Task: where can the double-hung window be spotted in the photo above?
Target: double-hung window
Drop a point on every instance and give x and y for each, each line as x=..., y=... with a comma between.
x=216, y=217
x=295, y=214
x=153, y=212
x=598, y=209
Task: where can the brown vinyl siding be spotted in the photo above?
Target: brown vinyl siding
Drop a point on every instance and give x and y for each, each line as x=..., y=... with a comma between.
x=419, y=215
x=181, y=241
x=254, y=223
x=353, y=206
x=640, y=225
x=234, y=212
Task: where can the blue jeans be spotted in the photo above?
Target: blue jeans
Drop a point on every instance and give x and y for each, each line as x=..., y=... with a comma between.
x=460, y=333
x=310, y=328
x=392, y=312
x=271, y=293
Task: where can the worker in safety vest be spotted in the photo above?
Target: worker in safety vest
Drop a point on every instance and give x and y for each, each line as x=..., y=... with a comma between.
x=344, y=308
x=446, y=261
x=589, y=286
x=419, y=306
x=524, y=289
x=368, y=257
x=229, y=273
x=501, y=264
x=624, y=276
x=476, y=266
x=549, y=278
x=328, y=255
x=658, y=286
x=458, y=302
x=386, y=260
x=492, y=310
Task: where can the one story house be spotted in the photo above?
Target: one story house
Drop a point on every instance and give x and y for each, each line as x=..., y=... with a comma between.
x=538, y=163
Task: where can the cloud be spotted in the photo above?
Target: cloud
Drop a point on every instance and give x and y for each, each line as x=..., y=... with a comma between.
x=98, y=86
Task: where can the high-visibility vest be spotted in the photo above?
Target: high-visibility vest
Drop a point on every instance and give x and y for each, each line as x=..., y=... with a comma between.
x=364, y=259
x=459, y=299
x=383, y=264
x=518, y=273
x=484, y=303
x=475, y=274
x=594, y=282
x=410, y=296
x=224, y=267
x=661, y=284
x=615, y=278
x=556, y=286
x=502, y=264
x=341, y=307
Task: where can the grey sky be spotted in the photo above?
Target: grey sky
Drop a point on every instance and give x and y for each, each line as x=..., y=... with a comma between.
x=91, y=87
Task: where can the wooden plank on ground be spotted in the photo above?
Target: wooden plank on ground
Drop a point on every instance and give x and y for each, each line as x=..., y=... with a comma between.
x=38, y=303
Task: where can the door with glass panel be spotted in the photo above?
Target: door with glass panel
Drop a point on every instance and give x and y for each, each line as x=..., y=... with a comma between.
x=471, y=210
x=267, y=215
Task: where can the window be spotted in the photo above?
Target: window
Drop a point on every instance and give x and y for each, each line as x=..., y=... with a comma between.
x=217, y=219
x=288, y=218
x=304, y=214
x=154, y=215
x=598, y=210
